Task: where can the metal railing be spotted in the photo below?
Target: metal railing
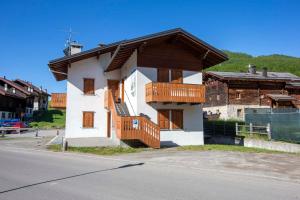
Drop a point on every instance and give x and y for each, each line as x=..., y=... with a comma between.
x=251, y=130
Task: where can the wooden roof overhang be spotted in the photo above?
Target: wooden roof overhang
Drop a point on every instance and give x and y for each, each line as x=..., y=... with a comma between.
x=15, y=85
x=123, y=50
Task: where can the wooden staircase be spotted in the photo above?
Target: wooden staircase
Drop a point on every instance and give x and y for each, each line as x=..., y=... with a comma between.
x=132, y=127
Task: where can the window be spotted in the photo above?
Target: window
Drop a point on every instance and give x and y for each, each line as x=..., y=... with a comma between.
x=163, y=75
x=3, y=115
x=218, y=97
x=88, y=86
x=177, y=119
x=164, y=119
x=173, y=117
x=239, y=113
x=88, y=120
x=238, y=95
x=176, y=76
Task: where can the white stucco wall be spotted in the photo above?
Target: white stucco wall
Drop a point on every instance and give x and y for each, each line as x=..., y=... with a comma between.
x=230, y=111
x=77, y=102
x=129, y=74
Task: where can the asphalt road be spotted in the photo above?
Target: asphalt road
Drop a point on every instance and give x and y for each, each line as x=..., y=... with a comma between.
x=38, y=174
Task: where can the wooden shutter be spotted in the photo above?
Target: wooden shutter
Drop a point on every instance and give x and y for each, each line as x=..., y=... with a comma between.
x=176, y=76
x=163, y=119
x=163, y=75
x=177, y=119
x=88, y=86
x=88, y=120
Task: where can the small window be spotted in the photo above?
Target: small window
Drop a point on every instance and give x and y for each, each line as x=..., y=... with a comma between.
x=239, y=113
x=3, y=115
x=238, y=95
x=88, y=86
x=218, y=97
x=88, y=120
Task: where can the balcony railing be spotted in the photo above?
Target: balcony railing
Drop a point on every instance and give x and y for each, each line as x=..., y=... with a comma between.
x=175, y=93
x=133, y=127
x=58, y=100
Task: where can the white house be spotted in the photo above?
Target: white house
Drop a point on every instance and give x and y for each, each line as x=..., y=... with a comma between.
x=148, y=89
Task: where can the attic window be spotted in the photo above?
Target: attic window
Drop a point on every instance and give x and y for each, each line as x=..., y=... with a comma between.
x=238, y=95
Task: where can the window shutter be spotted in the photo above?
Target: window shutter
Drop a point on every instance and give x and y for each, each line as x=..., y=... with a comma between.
x=88, y=86
x=176, y=76
x=88, y=120
x=163, y=119
x=177, y=119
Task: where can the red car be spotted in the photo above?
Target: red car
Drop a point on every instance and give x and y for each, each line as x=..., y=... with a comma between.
x=19, y=125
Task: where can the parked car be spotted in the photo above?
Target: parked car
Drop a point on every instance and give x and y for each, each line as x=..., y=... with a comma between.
x=14, y=123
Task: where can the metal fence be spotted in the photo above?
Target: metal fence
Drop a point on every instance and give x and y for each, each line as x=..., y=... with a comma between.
x=249, y=130
x=284, y=122
x=217, y=128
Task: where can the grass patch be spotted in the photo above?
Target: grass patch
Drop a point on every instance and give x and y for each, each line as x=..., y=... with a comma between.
x=216, y=147
x=98, y=150
x=51, y=118
x=255, y=136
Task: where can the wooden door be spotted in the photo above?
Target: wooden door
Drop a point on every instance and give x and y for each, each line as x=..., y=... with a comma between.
x=113, y=85
x=176, y=76
x=163, y=119
x=177, y=119
x=122, y=91
x=162, y=75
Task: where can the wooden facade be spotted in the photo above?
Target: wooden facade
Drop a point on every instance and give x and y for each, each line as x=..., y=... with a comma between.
x=221, y=92
x=59, y=100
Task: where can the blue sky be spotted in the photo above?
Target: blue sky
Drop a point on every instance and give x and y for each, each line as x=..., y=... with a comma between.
x=32, y=31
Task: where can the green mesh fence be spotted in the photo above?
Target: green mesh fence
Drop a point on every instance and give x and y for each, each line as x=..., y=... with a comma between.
x=285, y=122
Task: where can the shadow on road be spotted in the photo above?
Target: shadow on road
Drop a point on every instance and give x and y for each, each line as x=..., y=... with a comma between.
x=73, y=176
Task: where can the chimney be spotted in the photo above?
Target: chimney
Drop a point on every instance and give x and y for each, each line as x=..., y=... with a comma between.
x=73, y=48
x=265, y=72
x=4, y=77
x=252, y=69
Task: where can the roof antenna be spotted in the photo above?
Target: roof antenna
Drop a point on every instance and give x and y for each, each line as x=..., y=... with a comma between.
x=71, y=46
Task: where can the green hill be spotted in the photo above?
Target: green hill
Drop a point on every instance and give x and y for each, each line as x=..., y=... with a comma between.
x=239, y=61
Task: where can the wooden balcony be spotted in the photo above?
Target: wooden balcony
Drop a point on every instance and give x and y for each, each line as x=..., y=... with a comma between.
x=58, y=100
x=175, y=93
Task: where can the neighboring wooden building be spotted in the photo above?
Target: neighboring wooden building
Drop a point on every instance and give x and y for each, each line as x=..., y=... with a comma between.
x=37, y=96
x=229, y=93
x=13, y=99
x=147, y=89
x=19, y=99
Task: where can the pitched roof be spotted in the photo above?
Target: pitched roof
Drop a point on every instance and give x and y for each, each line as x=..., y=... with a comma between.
x=280, y=97
x=35, y=88
x=10, y=93
x=295, y=85
x=15, y=85
x=123, y=49
x=258, y=76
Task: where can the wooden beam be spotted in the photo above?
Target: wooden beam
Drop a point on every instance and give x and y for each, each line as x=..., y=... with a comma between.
x=205, y=55
x=142, y=47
